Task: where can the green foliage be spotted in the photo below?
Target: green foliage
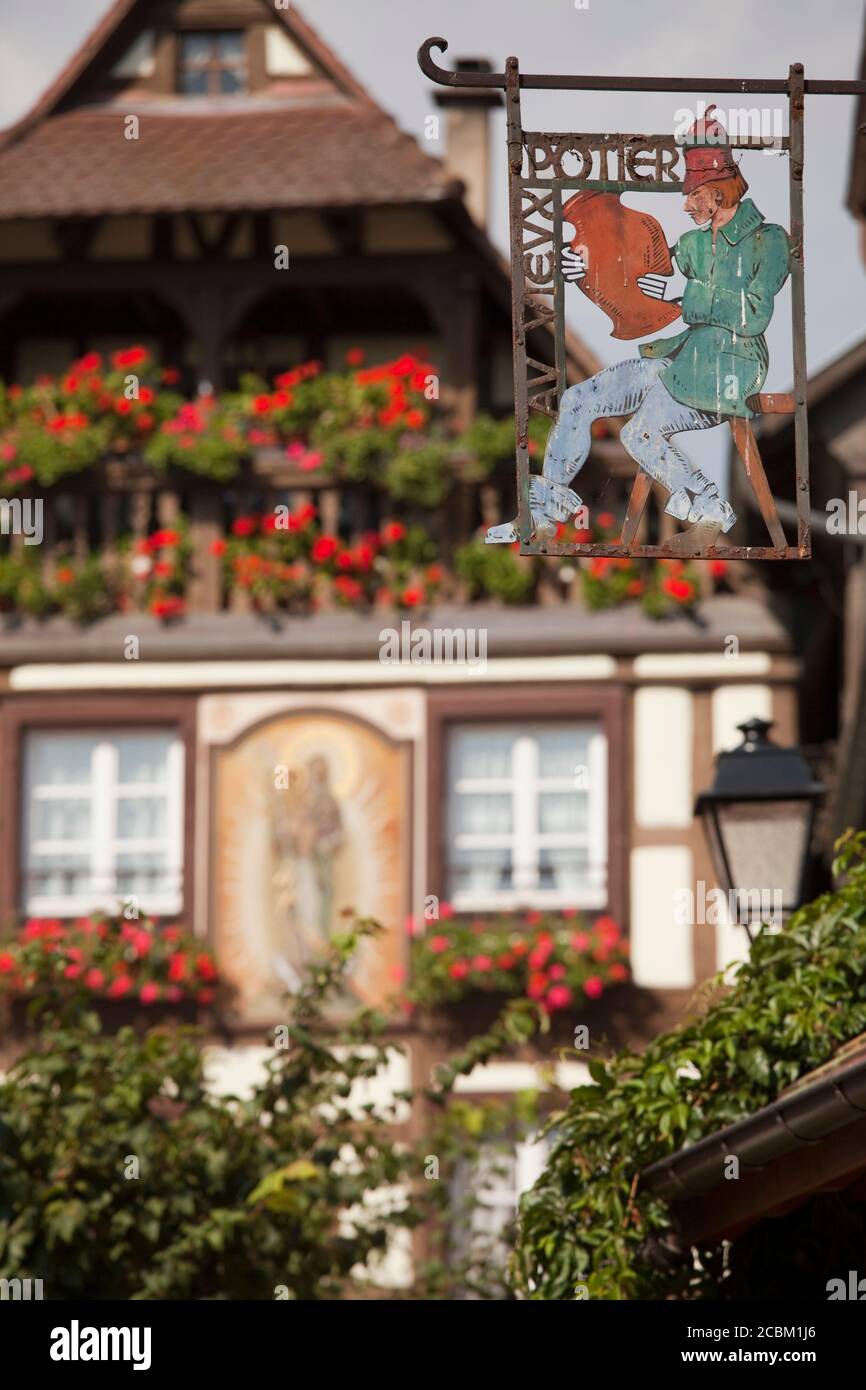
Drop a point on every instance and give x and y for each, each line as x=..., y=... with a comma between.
x=497, y=571
x=767, y=1022
x=81, y=591
x=22, y=588
x=421, y=474
x=292, y=1192
x=489, y=441
x=205, y=1218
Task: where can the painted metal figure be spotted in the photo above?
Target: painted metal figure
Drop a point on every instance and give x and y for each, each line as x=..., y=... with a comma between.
x=734, y=266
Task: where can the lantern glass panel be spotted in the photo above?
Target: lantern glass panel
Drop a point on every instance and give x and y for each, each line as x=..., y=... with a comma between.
x=766, y=843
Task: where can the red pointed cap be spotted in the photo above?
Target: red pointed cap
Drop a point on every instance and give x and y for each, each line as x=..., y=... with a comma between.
x=708, y=155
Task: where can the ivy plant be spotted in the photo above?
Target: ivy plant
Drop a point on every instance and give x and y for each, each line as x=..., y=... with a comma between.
x=759, y=1026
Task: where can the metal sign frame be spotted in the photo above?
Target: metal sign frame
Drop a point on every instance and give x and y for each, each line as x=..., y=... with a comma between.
x=538, y=290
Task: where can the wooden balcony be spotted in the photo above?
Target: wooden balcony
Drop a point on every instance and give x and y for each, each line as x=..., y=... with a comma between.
x=87, y=514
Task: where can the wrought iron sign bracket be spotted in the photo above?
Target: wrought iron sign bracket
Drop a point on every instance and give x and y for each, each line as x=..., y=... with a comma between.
x=542, y=166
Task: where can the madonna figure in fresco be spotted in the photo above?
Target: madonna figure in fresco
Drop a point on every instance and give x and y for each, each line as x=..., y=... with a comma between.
x=307, y=839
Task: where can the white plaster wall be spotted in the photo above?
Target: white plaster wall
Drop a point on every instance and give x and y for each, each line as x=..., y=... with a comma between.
x=701, y=665
x=238, y=1070
x=520, y=1076
x=733, y=705
x=663, y=733
x=661, y=947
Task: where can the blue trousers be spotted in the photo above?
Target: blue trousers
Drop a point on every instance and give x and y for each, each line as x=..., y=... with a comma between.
x=629, y=388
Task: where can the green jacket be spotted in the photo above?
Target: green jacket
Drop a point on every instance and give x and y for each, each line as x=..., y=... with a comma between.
x=721, y=359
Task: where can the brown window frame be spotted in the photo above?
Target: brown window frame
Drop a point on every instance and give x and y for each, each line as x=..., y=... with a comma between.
x=214, y=65
x=34, y=713
x=536, y=704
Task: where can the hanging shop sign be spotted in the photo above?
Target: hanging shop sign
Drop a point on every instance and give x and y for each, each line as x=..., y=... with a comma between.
x=697, y=305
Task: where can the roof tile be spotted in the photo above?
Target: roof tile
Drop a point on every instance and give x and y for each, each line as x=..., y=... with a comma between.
x=79, y=163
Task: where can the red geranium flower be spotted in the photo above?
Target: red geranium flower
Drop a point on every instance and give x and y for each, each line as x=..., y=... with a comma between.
x=459, y=970
x=205, y=967
x=324, y=547
x=537, y=984
x=177, y=966
x=608, y=930
x=130, y=357
x=393, y=532
x=559, y=997
x=404, y=366
x=680, y=589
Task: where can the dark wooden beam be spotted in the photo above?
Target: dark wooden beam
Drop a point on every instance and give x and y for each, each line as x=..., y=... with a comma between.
x=74, y=237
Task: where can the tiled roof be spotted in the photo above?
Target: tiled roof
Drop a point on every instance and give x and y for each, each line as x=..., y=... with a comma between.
x=326, y=144
x=78, y=163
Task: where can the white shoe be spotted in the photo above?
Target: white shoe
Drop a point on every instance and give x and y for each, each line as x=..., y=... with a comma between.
x=712, y=510
x=679, y=504
x=549, y=504
x=505, y=534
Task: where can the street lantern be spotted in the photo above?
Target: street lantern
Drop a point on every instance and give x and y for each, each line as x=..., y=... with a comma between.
x=758, y=817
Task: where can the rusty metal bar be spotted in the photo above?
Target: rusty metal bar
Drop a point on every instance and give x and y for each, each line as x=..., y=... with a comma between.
x=798, y=310
x=570, y=82
x=518, y=295
x=559, y=299
x=736, y=142
x=665, y=552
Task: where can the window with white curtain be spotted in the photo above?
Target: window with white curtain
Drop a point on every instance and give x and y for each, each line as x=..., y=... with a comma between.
x=526, y=819
x=102, y=821
x=484, y=1198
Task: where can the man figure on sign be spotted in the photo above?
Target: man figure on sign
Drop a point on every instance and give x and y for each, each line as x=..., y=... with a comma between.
x=734, y=265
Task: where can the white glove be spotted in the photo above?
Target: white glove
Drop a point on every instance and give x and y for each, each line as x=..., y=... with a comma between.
x=572, y=266
x=653, y=285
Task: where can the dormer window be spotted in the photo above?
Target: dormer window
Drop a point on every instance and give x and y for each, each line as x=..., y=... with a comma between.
x=212, y=63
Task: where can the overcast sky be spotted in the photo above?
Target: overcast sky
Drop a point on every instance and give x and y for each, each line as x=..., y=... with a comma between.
x=378, y=39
